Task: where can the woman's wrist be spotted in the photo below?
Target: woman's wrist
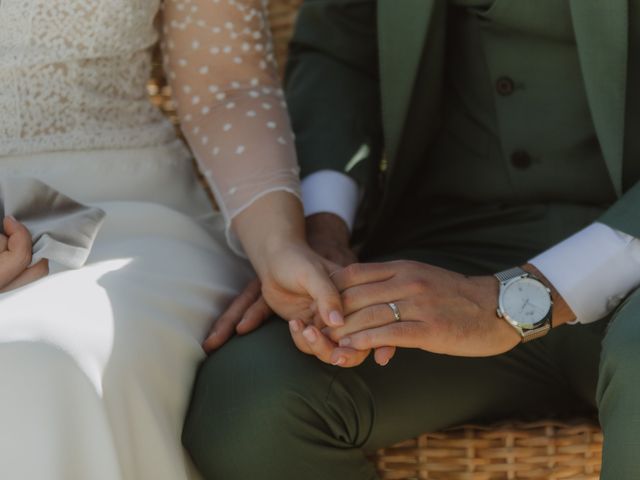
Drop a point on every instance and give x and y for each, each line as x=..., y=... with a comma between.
x=273, y=223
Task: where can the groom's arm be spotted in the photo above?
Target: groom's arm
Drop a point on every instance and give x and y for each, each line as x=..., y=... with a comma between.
x=333, y=93
x=595, y=269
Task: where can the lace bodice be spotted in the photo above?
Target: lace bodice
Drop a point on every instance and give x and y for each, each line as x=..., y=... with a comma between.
x=73, y=77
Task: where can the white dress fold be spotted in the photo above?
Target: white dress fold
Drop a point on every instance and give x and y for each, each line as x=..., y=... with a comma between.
x=96, y=364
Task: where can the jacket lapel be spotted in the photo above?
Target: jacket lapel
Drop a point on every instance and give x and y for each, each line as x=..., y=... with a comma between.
x=402, y=27
x=602, y=30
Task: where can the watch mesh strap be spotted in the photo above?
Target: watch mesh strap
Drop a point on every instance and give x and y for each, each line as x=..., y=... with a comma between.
x=507, y=275
x=533, y=334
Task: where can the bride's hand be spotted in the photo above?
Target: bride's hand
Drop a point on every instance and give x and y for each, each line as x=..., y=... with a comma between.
x=293, y=279
x=15, y=257
x=294, y=283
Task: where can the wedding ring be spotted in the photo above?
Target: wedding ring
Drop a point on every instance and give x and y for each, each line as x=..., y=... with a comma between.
x=396, y=311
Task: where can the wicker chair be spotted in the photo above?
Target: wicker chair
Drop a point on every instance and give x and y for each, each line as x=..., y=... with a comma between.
x=544, y=450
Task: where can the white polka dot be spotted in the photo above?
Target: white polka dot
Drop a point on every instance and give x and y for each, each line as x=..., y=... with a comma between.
x=266, y=106
x=282, y=141
x=237, y=60
x=205, y=110
x=240, y=150
x=230, y=105
x=204, y=140
x=254, y=94
x=272, y=125
x=255, y=82
x=186, y=89
x=195, y=100
x=214, y=50
x=195, y=45
x=221, y=96
x=204, y=70
x=227, y=49
x=195, y=130
x=251, y=113
x=227, y=127
x=213, y=88
x=182, y=62
x=215, y=151
x=232, y=190
x=235, y=84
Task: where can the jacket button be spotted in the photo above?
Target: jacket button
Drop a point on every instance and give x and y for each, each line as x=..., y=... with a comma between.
x=521, y=159
x=505, y=86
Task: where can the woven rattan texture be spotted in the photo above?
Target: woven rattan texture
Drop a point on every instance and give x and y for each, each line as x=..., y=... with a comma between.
x=547, y=450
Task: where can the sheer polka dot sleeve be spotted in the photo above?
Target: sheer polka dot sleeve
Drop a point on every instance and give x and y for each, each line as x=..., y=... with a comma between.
x=220, y=63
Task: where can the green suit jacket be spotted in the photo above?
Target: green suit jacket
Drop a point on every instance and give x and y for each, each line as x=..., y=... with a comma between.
x=351, y=79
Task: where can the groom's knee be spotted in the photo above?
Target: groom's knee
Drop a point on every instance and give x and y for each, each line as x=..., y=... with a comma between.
x=620, y=355
x=258, y=400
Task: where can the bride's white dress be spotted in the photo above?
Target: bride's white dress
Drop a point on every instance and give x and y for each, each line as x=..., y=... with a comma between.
x=96, y=364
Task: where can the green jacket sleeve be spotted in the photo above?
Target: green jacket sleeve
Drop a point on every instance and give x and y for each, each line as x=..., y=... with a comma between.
x=624, y=215
x=332, y=88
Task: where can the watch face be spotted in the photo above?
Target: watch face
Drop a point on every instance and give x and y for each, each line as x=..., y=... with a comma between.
x=526, y=301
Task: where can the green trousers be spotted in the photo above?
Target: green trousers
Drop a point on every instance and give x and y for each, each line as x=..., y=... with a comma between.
x=263, y=410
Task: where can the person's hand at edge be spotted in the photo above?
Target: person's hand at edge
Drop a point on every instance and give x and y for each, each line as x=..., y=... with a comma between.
x=15, y=257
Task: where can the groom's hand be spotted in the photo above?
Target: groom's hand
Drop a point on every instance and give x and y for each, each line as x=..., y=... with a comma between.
x=329, y=236
x=440, y=311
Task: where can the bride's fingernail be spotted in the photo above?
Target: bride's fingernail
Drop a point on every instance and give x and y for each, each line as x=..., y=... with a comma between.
x=12, y=219
x=335, y=319
x=310, y=335
x=294, y=325
x=345, y=342
x=339, y=361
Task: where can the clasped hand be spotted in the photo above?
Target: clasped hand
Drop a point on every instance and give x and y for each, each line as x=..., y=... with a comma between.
x=441, y=312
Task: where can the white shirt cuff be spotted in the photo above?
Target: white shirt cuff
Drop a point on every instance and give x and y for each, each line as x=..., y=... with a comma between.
x=593, y=270
x=329, y=191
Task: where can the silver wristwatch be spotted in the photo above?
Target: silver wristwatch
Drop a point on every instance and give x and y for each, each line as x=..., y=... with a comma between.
x=525, y=303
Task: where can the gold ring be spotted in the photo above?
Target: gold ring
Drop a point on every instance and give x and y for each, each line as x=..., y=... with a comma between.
x=396, y=311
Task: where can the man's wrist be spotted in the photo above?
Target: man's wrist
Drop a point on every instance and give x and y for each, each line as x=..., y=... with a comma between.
x=561, y=312
x=328, y=225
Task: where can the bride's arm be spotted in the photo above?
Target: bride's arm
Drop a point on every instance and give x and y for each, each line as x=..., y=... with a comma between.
x=220, y=64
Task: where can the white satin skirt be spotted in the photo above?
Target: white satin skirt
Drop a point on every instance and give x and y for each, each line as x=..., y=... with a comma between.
x=96, y=364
